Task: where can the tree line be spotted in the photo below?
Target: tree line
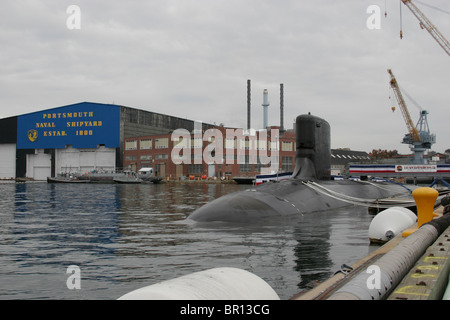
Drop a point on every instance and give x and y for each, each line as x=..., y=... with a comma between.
x=386, y=154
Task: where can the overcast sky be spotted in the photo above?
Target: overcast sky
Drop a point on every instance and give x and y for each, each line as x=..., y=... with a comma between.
x=192, y=59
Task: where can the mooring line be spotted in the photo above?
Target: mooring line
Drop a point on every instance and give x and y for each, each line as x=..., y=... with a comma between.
x=382, y=203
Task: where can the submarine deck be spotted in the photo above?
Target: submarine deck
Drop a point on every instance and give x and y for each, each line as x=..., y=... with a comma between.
x=297, y=197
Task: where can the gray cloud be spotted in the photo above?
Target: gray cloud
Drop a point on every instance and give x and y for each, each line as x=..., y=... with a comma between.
x=192, y=58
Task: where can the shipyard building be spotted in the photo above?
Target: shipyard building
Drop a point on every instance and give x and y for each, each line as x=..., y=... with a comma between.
x=93, y=137
x=81, y=138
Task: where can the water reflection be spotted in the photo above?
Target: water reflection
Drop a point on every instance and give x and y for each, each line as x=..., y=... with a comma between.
x=326, y=240
x=126, y=236
x=312, y=258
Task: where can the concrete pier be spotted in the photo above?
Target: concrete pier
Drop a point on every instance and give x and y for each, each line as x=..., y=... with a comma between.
x=428, y=279
x=412, y=266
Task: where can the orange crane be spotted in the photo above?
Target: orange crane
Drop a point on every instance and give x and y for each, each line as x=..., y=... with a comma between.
x=424, y=22
x=414, y=134
x=419, y=137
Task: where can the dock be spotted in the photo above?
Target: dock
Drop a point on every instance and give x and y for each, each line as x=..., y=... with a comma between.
x=429, y=278
x=411, y=266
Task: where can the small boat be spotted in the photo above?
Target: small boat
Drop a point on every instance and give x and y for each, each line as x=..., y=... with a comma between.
x=101, y=177
x=244, y=180
x=128, y=179
x=144, y=175
x=152, y=179
x=147, y=175
x=65, y=180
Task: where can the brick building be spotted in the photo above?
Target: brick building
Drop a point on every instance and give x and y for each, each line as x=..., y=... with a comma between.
x=243, y=153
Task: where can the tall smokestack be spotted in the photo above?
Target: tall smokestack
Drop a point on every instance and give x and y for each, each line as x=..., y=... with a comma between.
x=265, y=108
x=248, y=103
x=281, y=108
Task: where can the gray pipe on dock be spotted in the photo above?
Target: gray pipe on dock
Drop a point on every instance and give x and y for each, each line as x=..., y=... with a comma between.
x=394, y=265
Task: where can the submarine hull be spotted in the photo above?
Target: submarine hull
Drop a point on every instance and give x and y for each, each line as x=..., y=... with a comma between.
x=292, y=197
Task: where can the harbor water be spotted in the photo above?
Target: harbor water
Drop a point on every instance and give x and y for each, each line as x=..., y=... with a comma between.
x=123, y=237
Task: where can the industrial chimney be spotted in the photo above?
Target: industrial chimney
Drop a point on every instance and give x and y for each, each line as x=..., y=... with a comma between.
x=248, y=103
x=265, y=108
x=281, y=108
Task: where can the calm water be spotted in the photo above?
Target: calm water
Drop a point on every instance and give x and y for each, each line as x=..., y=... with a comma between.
x=124, y=237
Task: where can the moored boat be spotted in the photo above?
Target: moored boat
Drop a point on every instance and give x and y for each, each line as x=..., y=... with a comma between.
x=65, y=180
x=128, y=179
x=244, y=180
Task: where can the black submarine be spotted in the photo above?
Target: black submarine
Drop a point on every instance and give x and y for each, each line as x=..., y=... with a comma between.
x=310, y=188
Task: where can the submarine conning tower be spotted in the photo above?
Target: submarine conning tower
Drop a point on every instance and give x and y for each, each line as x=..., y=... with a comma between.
x=313, y=155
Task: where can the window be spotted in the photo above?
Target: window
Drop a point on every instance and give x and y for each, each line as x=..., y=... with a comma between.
x=245, y=165
x=195, y=169
x=131, y=145
x=132, y=115
x=244, y=144
x=197, y=142
x=261, y=145
x=286, y=164
x=230, y=143
x=230, y=158
x=161, y=143
x=146, y=144
x=182, y=142
x=274, y=145
x=286, y=146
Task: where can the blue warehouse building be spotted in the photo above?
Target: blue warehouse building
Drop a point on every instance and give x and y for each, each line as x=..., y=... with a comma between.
x=78, y=138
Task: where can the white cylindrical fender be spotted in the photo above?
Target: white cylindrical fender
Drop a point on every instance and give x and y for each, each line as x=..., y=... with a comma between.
x=213, y=284
x=389, y=223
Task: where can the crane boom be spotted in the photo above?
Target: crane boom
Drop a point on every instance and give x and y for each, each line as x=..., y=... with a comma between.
x=414, y=134
x=426, y=23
